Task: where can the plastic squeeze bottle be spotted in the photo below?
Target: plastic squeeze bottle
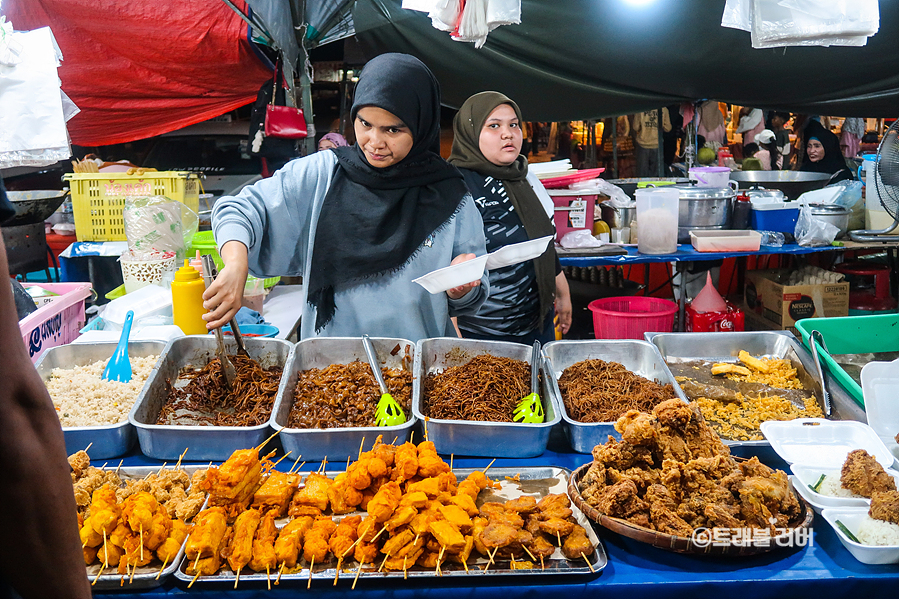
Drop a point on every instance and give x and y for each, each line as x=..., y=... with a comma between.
x=187, y=300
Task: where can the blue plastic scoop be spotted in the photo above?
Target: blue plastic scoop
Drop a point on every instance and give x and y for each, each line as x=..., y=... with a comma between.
x=119, y=366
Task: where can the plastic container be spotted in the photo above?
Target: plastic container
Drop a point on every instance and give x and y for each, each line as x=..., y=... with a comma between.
x=149, y=302
x=657, y=213
x=187, y=301
x=726, y=241
x=880, y=380
x=742, y=212
x=98, y=199
x=139, y=273
x=445, y=278
x=253, y=295
x=710, y=176
x=58, y=322
x=631, y=317
x=823, y=443
x=852, y=518
x=774, y=216
x=204, y=242
x=573, y=210
x=253, y=330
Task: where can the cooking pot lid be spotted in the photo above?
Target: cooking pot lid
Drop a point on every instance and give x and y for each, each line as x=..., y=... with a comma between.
x=692, y=192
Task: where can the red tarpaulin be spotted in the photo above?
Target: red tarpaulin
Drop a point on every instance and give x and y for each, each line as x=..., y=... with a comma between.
x=138, y=69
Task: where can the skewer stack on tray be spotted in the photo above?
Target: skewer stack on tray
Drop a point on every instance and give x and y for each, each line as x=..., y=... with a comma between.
x=91, y=410
x=466, y=392
x=187, y=393
x=395, y=511
x=596, y=382
x=338, y=390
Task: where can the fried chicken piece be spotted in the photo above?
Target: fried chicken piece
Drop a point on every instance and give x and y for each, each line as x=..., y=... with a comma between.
x=79, y=461
x=722, y=516
x=863, y=475
x=700, y=440
x=666, y=520
x=522, y=505
x=642, y=477
x=313, y=494
x=761, y=500
x=637, y=428
x=190, y=507
x=885, y=506
x=596, y=475
x=621, y=456
x=621, y=500
x=577, y=545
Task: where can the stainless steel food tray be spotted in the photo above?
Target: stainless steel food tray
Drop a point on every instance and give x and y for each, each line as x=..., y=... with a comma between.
x=640, y=357
x=106, y=440
x=167, y=442
x=464, y=437
x=145, y=577
x=538, y=482
x=724, y=347
x=338, y=443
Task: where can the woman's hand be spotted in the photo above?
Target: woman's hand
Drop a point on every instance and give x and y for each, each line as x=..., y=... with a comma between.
x=460, y=291
x=223, y=297
x=563, y=303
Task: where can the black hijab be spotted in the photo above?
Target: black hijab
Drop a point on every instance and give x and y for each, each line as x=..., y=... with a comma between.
x=373, y=220
x=833, y=161
x=467, y=153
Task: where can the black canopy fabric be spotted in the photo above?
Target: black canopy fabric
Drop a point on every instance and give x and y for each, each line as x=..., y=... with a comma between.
x=582, y=59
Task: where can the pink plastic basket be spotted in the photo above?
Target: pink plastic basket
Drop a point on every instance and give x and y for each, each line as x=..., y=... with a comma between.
x=57, y=323
x=630, y=317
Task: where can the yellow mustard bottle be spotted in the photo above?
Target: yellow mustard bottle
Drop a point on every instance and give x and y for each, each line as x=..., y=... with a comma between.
x=187, y=300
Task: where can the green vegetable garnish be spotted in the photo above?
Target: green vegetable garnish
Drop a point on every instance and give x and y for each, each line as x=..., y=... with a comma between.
x=848, y=533
x=817, y=485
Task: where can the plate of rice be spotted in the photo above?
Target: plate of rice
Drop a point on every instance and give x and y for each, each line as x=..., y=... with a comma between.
x=830, y=492
x=876, y=541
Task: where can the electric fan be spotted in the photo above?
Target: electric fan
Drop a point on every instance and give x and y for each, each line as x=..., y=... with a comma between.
x=885, y=185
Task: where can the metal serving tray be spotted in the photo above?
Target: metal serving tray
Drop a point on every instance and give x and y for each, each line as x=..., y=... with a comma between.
x=724, y=347
x=537, y=482
x=167, y=442
x=108, y=440
x=321, y=352
x=465, y=437
x=145, y=577
x=640, y=357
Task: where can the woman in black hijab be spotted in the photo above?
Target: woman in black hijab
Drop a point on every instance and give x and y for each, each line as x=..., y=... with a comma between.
x=487, y=140
x=823, y=154
x=360, y=222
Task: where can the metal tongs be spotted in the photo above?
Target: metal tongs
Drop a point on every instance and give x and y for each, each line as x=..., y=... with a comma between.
x=228, y=371
x=816, y=338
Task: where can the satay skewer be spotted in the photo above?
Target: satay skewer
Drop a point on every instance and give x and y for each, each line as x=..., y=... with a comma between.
x=311, y=565
x=337, y=570
x=488, y=465
x=589, y=565
x=295, y=464
x=394, y=440
x=386, y=557
x=197, y=561
x=558, y=538
x=100, y=573
x=406, y=568
x=141, y=541
x=542, y=567
x=268, y=577
x=88, y=446
x=280, y=572
x=261, y=445
x=181, y=457
x=161, y=469
x=119, y=467
x=133, y=570
x=375, y=538
x=439, y=559
x=282, y=457
x=237, y=578
x=358, y=571
x=163, y=567
x=194, y=580
x=361, y=444
x=528, y=551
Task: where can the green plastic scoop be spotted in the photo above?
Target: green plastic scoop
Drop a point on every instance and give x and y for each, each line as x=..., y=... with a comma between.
x=530, y=409
x=388, y=412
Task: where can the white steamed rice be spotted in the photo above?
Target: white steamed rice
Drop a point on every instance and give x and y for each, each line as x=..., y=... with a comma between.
x=878, y=532
x=831, y=487
x=82, y=398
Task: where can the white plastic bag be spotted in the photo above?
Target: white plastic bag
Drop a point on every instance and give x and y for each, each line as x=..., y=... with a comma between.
x=582, y=238
x=737, y=15
x=777, y=23
x=158, y=223
x=617, y=197
x=813, y=232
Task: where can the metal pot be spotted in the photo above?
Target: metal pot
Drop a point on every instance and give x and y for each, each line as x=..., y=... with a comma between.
x=703, y=208
x=792, y=183
x=838, y=216
x=617, y=218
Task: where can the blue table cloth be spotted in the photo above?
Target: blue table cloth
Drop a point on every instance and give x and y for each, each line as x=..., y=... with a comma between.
x=686, y=253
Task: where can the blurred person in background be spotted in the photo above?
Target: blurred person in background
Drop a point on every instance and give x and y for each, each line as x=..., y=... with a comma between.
x=768, y=154
x=751, y=161
x=646, y=138
x=329, y=141
x=822, y=153
x=851, y=136
x=751, y=123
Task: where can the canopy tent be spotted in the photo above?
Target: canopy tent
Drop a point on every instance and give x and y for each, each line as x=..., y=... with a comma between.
x=583, y=59
x=138, y=69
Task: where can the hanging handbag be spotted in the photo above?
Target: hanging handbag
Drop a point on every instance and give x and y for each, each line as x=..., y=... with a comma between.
x=283, y=122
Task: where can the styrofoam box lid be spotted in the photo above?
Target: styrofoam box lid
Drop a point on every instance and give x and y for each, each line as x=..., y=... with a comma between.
x=823, y=443
x=147, y=301
x=880, y=385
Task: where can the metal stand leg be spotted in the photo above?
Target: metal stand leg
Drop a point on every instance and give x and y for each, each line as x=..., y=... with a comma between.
x=680, y=268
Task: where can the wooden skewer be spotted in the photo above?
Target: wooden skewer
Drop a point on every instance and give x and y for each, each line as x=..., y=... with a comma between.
x=589, y=565
x=268, y=577
x=197, y=561
x=141, y=542
x=378, y=535
x=384, y=562
x=488, y=465
x=163, y=567
x=490, y=561
x=361, y=443
x=426, y=430
x=301, y=465
x=348, y=462
x=394, y=440
x=406, y=569
x=337, y=570
x=88, y=446
x=465, y=565
x=529, y=552
x=133, y=570
x=122, y=581
x=105, y=551
x=161, y=468
x=513, y=561
x=558, y=538
x=194, y=580
x=260, y=446
x=542, y=567
x=280, y=572
x=103, y=467
x=99, y=574
x=440, y=559
x=358, y=571
x=119, y=467
x=181, y=457
x=451, y=461
x=279, y=461
x=237, y=579
x=311, y=565
x=295, y=464
x=412, y=437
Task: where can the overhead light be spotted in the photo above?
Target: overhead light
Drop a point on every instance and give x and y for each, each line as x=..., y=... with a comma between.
x=638, y=2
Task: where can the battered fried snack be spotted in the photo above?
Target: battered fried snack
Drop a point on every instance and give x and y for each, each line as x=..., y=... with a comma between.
x=863, y=475
x=728, y=368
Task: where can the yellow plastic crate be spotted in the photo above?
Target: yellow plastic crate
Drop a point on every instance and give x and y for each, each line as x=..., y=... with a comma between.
x=98, y=199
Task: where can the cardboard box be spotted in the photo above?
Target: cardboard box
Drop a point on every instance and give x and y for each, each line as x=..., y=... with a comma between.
x=782, y=305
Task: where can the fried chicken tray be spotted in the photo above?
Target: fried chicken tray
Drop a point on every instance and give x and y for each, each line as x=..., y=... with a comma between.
x=514, y=483
x=157, y=482
x=692, y=355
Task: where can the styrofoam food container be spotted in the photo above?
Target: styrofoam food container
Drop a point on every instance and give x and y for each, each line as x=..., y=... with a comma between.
x=726, y=241
x=806, y=476
x=518, y=252
x=880, y=381
x=815, y=442
x=448, y=277
x=151, y=300
x=851, y=518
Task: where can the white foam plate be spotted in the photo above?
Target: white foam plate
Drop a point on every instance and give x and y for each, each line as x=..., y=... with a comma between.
x=517, y=252
x=880, y=386
x=851, y=518
x=804, y=477
x=446, y=278
x=816, y=442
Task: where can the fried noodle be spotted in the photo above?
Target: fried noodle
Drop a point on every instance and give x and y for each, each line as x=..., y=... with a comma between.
x=487, y=388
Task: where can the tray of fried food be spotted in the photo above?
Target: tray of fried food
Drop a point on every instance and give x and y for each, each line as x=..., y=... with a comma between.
x=133, y=520
x=400, y=511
